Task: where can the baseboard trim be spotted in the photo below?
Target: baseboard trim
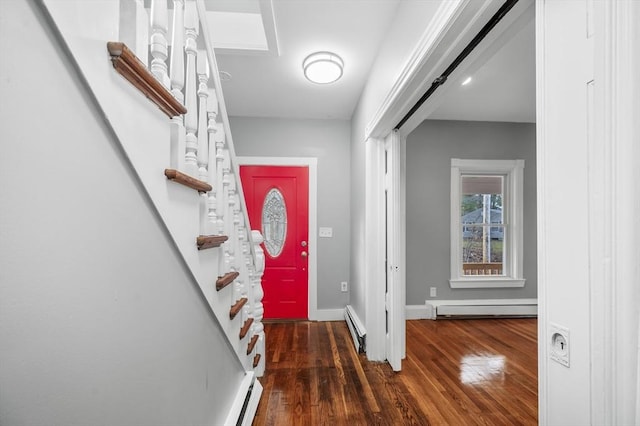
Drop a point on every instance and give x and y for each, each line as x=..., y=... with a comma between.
x=329, y=314
x=415, y=312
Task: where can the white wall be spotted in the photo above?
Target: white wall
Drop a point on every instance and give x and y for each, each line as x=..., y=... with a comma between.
x=430, y=148
x=410, y=22
x=100, y=321
x=328, y=141
x=588, y=157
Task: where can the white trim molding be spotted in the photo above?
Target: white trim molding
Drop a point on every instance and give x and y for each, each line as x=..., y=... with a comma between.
x=312, y=164
x=512, y=170
x=375, y=249
x=391, y=106
x=329, y=314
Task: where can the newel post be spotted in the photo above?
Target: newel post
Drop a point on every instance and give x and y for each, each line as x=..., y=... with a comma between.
x=258, y=294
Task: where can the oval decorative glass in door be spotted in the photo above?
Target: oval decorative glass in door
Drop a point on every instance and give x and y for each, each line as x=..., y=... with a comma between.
x=274, y=222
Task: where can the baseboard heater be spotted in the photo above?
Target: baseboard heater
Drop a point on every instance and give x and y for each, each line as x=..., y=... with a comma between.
x=486, y=310
x=245, y=404
x=356, y=328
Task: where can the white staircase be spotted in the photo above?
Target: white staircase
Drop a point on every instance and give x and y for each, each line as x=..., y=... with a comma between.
x=180, y=148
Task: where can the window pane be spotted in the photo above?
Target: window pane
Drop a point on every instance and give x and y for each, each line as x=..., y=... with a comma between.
x=274, y=222
x=481, y=205
x=482, y=250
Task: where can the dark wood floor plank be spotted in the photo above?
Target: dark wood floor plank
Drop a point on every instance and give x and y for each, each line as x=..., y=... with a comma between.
x=457, y=372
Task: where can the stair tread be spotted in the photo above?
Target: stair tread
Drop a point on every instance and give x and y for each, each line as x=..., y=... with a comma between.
x=245, y=328
x=252, y=343
x=210, y=241
x=186, y=180
x=237, y=307
x=127, y=64
x=226, y=279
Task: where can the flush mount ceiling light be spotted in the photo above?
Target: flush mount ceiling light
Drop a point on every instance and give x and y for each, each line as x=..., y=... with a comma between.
x=466, y=81
x=323, y=67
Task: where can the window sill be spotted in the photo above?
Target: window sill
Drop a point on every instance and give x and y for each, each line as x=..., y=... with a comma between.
x=488, y=282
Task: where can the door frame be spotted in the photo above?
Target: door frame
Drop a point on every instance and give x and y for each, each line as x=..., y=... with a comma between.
x=395, y=181
x=312, y=164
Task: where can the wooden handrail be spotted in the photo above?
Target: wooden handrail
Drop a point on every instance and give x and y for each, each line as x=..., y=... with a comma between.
x=132, y=68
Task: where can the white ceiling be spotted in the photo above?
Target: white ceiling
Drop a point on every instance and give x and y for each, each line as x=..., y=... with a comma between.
x=268, y=84
x=502, y=86
x=274, y=86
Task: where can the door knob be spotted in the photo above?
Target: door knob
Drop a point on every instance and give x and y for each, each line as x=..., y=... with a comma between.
x=303, y=244
x=304, y=254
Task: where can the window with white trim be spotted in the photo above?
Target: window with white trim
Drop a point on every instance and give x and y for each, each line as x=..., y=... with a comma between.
x=486, y=223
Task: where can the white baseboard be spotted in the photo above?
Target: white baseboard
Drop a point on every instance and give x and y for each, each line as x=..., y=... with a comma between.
x=329, y=314
x=414, y=312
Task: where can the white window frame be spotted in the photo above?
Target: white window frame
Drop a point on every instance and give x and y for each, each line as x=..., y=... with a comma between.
x=512, y=267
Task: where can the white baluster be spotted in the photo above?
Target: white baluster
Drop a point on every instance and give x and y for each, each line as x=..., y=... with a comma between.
x=223, y=203
x=203, y=135
x=176, y=68
x=212, y=114
x=190, y=94
x=220, y=141
x=158, y=41
x=176, y=63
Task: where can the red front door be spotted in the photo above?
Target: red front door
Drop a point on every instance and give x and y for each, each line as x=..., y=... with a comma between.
x=278, y=203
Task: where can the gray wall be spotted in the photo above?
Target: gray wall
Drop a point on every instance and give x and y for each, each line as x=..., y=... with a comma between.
x=100, y=323
x=328, y=141
x=429, y=151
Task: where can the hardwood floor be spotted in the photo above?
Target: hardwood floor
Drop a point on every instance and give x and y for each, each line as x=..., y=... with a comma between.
x=457, y=372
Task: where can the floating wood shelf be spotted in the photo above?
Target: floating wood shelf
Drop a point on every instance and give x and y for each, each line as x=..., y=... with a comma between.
x=210, y=241
x=236, y=307
x=256, y=360
x=252, y=343
x=130, y=67
x=226, y=279
x=245, y=328
x=186, y=180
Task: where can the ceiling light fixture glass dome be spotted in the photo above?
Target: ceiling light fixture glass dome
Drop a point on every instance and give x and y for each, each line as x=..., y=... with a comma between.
x=323, y=67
